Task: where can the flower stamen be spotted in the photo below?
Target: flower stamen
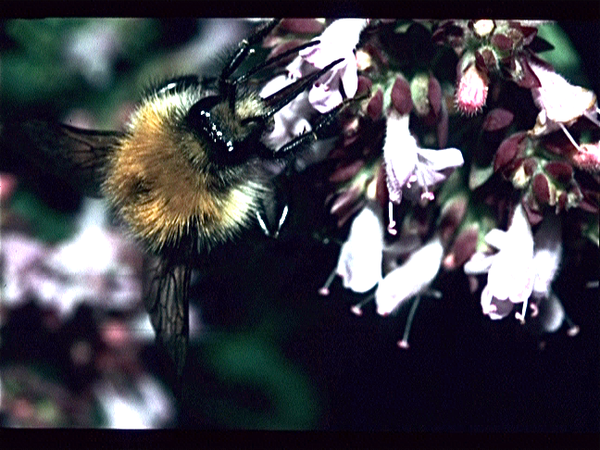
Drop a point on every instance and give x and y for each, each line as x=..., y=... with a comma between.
x=569, y=136
x=324, y=291
x=521, y=315
x=357, y=309
x=573, y=329
x=535, y=310
x=403, y=343
x=391, y=228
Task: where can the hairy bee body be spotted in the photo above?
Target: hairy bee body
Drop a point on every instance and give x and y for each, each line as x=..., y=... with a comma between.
x=164, y=180
x=186, y=175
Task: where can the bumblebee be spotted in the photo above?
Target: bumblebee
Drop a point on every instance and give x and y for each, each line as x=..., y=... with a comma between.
x=184, y=176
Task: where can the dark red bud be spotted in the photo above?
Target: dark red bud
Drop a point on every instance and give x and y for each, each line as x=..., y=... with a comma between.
x=464, y=246
x=364, y=85
x=528, y=79
x=345, y=201
x=516, y=36
x=381, y=191
x=541, y=188
x=401, y=98
x=435, y=94
x=442, y=129
x=489, y=59
x=452, y=216
x=562, y=201
x=375, y=106
x=303, y=26
x=560, y=171
x=345, y=173
x=530, y=166
x=528, y=33
x=534, y=215
x=508, y=150
x=502, y=42
x=497, y=119
x=590, y=201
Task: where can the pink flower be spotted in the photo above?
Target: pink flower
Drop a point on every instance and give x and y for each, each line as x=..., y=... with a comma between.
x=96, y=265
x=407, y=164
x=472, y=91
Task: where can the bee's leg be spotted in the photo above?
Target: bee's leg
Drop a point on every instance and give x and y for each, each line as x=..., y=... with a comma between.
x=226, y=85
x=318, y=131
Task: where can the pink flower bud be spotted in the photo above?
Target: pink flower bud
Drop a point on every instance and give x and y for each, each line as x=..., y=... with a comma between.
x=472, y=91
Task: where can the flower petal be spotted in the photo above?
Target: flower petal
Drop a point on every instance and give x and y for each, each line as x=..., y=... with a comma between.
x=411, y=278
x=361, y=256
x=438, y=160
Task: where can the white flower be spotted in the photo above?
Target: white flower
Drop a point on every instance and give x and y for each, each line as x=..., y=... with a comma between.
x=411, y=278
x=144, y=405
x=337, y=41
x=524, y=266
x=407, y=165
x=86, y=268
x=510, y=271
x=361, y=256
x=547, y=256
x=560, y=103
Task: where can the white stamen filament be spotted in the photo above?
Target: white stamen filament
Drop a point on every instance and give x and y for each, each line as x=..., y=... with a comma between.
x=357, y=309
x=573, y=328
x=569, y=136
x=324, y=291
x=392, y=223
x=413, y=309
x=521, y=315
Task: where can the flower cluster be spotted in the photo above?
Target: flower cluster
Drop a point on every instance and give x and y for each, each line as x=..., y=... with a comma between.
x=416, y=207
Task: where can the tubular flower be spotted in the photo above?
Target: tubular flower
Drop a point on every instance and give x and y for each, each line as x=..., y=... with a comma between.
x=510, y=271
x=407, y=164
x=560, y=103
x=361, y=256
x=411, y=278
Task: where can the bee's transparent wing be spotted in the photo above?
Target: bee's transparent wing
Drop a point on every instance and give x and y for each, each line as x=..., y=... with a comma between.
x=76, y=155
x=167, y=303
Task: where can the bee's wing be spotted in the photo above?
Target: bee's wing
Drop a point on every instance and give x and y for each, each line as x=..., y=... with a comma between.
x=167, y=303
x=73, y=154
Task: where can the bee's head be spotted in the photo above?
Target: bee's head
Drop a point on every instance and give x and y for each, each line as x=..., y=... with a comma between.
x=231, y=132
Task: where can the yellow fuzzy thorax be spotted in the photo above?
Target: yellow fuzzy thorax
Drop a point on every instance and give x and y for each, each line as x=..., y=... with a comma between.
x=160, y=194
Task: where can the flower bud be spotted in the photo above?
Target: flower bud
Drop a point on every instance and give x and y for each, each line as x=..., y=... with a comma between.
x=401, y=96
x=419, y=90
x=497, y=119
x=541, y=188
x=472, y=91
x=508, y=150
x=375, y=105
x=560, y=171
